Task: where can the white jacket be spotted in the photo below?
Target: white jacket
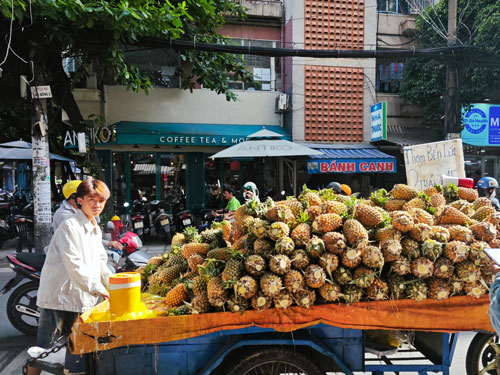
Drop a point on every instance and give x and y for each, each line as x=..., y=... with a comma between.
x=75, y=273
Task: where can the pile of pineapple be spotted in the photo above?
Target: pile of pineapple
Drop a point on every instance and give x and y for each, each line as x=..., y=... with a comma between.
x=322, y=248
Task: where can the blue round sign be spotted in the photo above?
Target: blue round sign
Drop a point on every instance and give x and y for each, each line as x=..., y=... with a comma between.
x=475, y=121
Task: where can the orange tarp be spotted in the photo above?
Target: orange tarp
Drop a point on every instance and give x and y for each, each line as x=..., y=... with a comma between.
x=461, y=313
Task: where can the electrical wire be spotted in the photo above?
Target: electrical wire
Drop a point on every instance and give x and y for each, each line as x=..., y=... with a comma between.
x=10, y=34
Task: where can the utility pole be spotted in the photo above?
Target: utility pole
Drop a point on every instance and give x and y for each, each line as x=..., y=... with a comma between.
x=451, y=95
x=41, y=159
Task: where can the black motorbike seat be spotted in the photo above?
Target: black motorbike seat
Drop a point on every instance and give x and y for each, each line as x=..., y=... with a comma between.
x=34, y=260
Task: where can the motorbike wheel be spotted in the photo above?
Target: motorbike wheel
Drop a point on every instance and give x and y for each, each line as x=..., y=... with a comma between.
x=23, y=296
x=480, y=354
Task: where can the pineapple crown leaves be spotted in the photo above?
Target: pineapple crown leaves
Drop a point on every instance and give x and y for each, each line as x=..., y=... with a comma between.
x=451, y=192
x=327, y=195
x=176, y=250
x=303, y=218
x=379, y=197
x=251, y=207
x=212, y=268
x=438, y=187
x=217, y=225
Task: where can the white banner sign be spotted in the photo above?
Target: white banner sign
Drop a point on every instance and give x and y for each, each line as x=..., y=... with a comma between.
x=425, y=163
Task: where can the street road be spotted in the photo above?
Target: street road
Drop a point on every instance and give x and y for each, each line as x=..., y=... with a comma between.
x=13, y=344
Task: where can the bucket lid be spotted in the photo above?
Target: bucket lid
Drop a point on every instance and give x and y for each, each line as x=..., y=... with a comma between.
x=125, y=278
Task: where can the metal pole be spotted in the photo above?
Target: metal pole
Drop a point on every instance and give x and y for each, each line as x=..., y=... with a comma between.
x=450, y=115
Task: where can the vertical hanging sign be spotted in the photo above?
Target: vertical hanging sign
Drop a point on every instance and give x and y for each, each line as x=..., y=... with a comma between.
x=378, y=122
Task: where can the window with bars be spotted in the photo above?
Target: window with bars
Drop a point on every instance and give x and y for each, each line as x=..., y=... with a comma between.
x=159, y=64
x=403, y=6
x=265, y=69
x=390, y=74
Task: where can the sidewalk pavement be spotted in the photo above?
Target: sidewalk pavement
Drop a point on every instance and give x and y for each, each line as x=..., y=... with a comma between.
x=152, y=247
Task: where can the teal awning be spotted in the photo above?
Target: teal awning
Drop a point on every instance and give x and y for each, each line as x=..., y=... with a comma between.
x=147, y=133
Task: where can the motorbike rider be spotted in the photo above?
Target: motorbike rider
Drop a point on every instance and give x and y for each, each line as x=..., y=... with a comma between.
x=250, y=192
x=486, y=187
x=232, y=204
x=75, y=273
x=69, y=207
x=342, y=189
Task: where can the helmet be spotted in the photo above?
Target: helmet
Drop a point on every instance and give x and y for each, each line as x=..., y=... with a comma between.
x=487, y=183
x=115, y=218
x=70, y=188
x=346, y=189
x=335, y=186
x=252, y=187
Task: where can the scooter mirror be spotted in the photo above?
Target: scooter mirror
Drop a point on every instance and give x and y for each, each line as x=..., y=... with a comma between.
x=144, y=199
x=126, y=204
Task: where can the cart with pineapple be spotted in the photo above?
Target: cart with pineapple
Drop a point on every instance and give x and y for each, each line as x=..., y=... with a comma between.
x=298, y=282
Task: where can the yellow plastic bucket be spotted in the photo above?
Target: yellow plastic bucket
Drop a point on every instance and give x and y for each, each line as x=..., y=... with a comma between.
x=125, y=293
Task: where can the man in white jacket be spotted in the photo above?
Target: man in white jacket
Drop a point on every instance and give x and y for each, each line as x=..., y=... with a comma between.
x=75, y=273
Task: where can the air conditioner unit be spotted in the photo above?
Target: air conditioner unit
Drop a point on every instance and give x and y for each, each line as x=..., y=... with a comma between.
x=282, y=103
x=407, y=27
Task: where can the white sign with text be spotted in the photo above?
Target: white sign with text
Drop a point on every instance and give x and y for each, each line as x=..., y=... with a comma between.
x=425, y=163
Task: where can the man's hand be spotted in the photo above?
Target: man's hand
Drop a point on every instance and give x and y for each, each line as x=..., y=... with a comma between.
x=115, y=244
x=105, y=295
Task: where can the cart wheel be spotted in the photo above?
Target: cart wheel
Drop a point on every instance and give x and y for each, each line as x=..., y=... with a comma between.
x=480, y=354
x=275, y=361
x=24, y=297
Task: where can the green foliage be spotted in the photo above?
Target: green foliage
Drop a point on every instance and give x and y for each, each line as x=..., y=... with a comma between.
x=425, y=80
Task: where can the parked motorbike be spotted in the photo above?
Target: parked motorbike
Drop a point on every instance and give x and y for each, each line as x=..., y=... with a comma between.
x=22, y=310
x=162, y=220
x=141, y=219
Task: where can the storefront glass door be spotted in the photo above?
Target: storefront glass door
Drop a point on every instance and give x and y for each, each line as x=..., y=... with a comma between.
x=142, y=176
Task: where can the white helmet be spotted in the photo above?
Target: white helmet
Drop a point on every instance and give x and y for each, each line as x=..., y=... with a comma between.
x=252, y=187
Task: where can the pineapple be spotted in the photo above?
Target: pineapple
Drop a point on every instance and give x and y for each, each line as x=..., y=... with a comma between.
x=280, y=213
x=443, y=268
x=460, y=233
x=334, y=242
x=352, y=257
x=246, y=287
x=178, y=239
x=467, y=271
x=199, y=285
x=469, y=195
x=387, y=233
x=415, y=203
x=432, y=190
x=222, y=253
x=495, y=243
x=329, y=262
x=367, y=215
x=280, y=264
x=300, y=260
x=285, y=246
x=342, y=276
x=294, y=281
x=463, y=206
x=494, y=219
x=439, y=288
x=422, y=268
x=480, y=202
x=195, y=248
x=194, y=261
x=420, y=232
x=401, y=191
x=401, y=266
x=333, y=207
x=476, y=290
x=157, y=260
x=373, y=257
x=309, y=197
x=176, y=295
x=283, y=300
x=440, y=234
x=270, y=284
x=431, y=249
x=260, y=228
x=217, y=295
x=421, y=216
x=451, y=193
x=354, y=232
x=397, y=287
x=168, y=274
x=483, y=212
x=261, y=302
x=456, y=251
x=457, y=287
x=437, y=200
x=264, y=248
x=378, y=290
x=191, y=234
x=330, y=292
x=402, y=221
x=417, y=290
x=327, y=223
x=352, y=294
x=363, y=277
x=484, y=231
x=391, y=249
x=200, y=303
x=240, y=243
x=294, y=205
x=306, y=297
x=237, y=304
x=411, y=248
x=315, y=247
x=278, y=230
x=476, y=252
x=226, y=229
x=313, y=212
x=255, y=265
x=301, y=234
x=232, y=270
x=315, y=277
x=451, y=215
x=394, y=204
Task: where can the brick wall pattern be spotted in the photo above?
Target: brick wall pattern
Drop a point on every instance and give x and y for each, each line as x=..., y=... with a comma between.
x=334, y=24
x=333, y=104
